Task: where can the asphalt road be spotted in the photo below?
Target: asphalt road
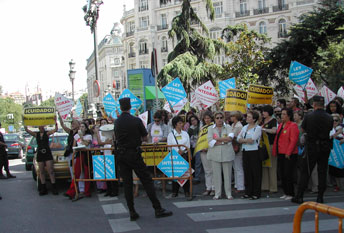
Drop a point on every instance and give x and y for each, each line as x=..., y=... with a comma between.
x=23, y=210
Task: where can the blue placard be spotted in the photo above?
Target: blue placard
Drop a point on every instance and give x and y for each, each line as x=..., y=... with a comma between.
x=174, y=91
x=78, y=108
x=225, y=85
x=336, y=158
x=299, y=73
x=110, y=105
x=180, y=165
x=134, y=101
x=99, y=166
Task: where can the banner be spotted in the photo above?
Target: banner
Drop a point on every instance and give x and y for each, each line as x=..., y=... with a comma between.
x=174, y=92
x=134, y=101
x=327, y=94
x=63, y=105
x=311, y=89
x=144, y=118
x=207, y=94
x=202, y=142
x=110, y=105
x=299, y=73
x=78, y=109
x=39, y=116
x=336, y=158
x=340, y=92
x=153, y=156
x=236, y=100
x=180, y=105
x=225, y=85
x=258, y=94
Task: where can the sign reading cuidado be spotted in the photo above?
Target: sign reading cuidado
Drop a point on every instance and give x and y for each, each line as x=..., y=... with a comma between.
x=258, y=94
x=236, y=100
x=39, y=116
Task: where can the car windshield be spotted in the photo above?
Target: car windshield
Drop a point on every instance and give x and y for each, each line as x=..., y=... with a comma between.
x=10, y=137
x=58, y=142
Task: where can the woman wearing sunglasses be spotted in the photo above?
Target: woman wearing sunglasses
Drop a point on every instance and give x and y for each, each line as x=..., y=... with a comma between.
x=221, y=155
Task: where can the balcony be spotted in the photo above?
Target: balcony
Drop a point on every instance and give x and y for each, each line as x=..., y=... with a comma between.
x=242, y=14
x=131, y=33
x=164, y=49
x=304, y=2
x=132, y=54
x=282, y=34
x=143, y=8
x=142, y=29
x=143, y=52
x=260, y=11
x=277, y=8
x=162, y=27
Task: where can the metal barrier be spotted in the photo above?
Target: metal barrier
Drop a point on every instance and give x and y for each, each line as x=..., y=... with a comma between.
x=334, y=211
x=152, y=155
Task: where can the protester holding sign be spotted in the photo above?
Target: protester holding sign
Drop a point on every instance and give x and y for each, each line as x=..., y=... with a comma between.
x=44, y=158
x=157, y=130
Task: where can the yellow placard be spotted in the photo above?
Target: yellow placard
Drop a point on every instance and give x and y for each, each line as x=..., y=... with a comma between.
x=265, y=140
x=202, y=142
x=258, y=94
x=236, y=100
x=153, y=156
x=39, y=116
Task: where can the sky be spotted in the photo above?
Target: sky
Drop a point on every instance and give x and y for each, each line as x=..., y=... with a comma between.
x=39, y=38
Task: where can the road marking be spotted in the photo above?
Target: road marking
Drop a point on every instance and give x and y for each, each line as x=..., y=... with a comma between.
x=114, y=209
x=102, y=198
x=307, y=226
x=123, y=225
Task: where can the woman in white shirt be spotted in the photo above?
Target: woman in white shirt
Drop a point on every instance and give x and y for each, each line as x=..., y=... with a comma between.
x=179, y=137
x=157, y=130
x=249, y=137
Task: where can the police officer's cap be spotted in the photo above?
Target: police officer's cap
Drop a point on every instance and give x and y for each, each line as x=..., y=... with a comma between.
x=318, y=98
x=125, y=103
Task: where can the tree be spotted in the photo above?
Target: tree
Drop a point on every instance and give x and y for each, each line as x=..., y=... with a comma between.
x=48, y=103
x=8, y=106
x=1, y=90
x=189, y=59
x=246, y=50
x=307, y=40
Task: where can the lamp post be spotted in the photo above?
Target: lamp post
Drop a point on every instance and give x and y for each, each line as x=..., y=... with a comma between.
x=72, y=75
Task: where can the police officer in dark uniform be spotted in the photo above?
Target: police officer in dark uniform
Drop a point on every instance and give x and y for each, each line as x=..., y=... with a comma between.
x=4, y=158
x=130, y=132
x=317, y=126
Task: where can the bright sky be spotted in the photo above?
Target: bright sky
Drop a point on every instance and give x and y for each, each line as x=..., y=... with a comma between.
x=39, y=38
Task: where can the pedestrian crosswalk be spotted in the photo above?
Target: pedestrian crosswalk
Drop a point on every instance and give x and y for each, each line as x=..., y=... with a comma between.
x=268, y=215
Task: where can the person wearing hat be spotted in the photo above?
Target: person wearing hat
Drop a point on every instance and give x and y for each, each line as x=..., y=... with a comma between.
x=317, y=126
x=129, y=133
x=4, y=158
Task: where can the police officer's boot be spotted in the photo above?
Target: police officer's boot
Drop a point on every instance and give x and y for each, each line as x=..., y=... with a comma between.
x=133, y=215
x=320, y=198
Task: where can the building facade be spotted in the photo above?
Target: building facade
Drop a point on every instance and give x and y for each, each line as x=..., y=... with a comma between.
x=110, y=67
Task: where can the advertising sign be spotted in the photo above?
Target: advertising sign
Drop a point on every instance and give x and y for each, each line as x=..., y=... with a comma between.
x=225, y=85
x=63, y=105
x=135, y=84
x=39, y=116
x=258, y=94
x=299, y=73
x=174, y=92
x=207, y=94
x=236, y=100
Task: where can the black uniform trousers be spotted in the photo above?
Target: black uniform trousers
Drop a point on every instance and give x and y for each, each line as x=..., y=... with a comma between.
x=252, y=173
x=3, y=161
x=287, y=167
x=129, y=160
x=316, y=153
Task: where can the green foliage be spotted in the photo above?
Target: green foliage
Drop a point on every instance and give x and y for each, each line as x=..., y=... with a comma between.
x=246, y=50
x=83, y=98
x=8, y=106
x=48, y=103
x=306, y=44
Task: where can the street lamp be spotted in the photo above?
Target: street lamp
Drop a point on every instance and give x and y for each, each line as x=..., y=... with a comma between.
x=72, y=75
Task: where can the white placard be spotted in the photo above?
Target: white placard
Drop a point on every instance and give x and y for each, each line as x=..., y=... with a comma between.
x=144, y=118
x=312, y=90
x=195, y=102
x=327, y=94
x=207, y=94
x=179, y=106
x=340, y=92
x=167, y=107
x=63, y=105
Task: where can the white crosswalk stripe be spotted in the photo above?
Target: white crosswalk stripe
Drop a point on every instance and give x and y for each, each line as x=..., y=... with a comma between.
x=101, y=197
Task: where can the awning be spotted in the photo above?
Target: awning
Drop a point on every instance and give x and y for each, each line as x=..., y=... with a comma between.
x=150, y=93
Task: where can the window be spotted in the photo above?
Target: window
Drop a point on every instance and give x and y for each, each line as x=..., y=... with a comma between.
x=143, y=5
x=282, y=28
x=215, y=33
x=243, y=6
x=261, y=4
x=262, y=28
x=164, y=47
x=118, y=84
x=163, y=20
x=143, y=64
x=143, y=49
x=131, y=26
x=218, y=9
x=132, y=66
x=281, y=3
x=144, y=22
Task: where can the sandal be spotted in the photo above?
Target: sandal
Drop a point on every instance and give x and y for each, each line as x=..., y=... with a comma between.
x=245, y=196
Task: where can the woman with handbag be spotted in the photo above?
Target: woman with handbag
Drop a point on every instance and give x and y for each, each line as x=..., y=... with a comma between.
x=179, y=137
x=238, y=168
x=44, y=158
x=285, y=148
x=221, y=155
x=249, y=139
x=269, y=174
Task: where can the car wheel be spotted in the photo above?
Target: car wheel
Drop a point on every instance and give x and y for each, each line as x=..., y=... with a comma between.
x=34, y=175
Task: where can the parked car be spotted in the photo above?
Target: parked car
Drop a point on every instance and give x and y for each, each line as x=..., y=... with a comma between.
x=27, y=137
x=58, y=143
x=15, y=145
